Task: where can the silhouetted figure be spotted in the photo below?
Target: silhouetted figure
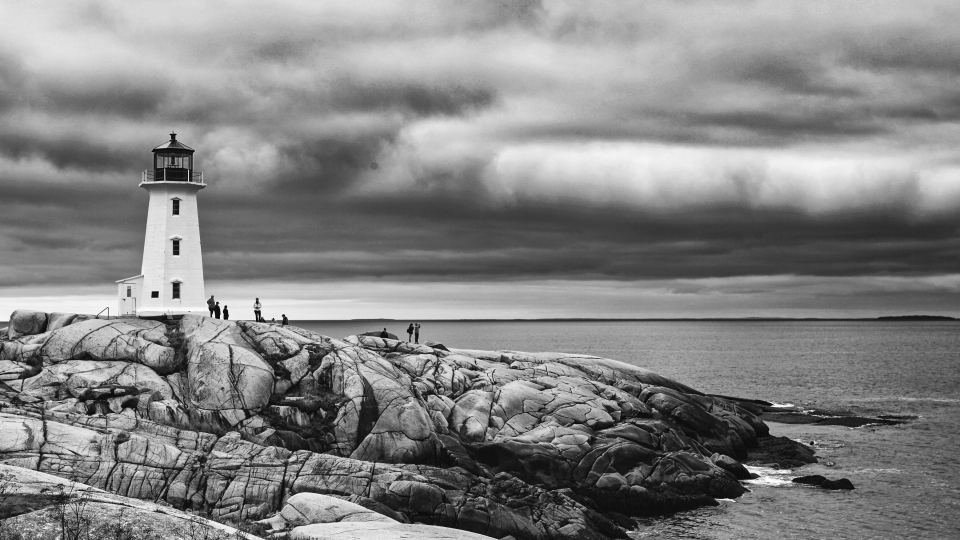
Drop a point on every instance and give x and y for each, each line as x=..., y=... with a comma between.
x=256, y=310
x=216, y=311
x=211, y=304
x=410, y=333
x=226, y=313
x=384, y=334
x=416, y=333
x=285, y=321
x=273, y=320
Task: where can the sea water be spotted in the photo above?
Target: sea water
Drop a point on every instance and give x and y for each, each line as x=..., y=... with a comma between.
x=907, y=476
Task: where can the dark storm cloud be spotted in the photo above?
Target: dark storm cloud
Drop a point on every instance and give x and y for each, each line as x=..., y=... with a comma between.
x=419, y=99
x=70, y=151
x=907, y=48
x=494, y=141
x=129, y=99
x=795, y=125
x=794, y=75
x=448, y=238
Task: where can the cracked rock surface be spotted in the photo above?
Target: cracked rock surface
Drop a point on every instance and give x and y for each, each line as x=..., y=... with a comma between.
x=33, y=502
x=320, y=436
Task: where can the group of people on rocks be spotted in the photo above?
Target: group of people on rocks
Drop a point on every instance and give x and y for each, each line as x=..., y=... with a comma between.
x=214, y=308
x=413, y=333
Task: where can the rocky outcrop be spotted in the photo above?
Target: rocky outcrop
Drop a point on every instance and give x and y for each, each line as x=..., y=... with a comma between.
x=823, y=482
x=32, y=503
x=780, y=453
x=315, y=435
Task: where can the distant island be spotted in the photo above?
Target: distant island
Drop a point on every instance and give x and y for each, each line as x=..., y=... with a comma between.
x=916, y=318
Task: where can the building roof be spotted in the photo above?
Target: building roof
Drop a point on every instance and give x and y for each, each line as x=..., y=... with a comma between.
x=130, y=278
x=174, y=144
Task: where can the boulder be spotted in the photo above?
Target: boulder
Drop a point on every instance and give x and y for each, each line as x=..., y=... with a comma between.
x=77, y=378
x=842, y=483
x=25, y=323
x=223, y=370
x=823, y=482
x=380, y=531
x=309, y=508
x=276, y=342
x=56, y=321
x=732, y=466
x=781, y=452
x=383, y=419
x=101, y=339
x=436, y=345
x=379, y=333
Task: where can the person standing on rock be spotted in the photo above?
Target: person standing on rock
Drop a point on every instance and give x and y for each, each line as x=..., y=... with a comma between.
x=256, y=310
x=416, y=333
x=284, y=321
x=226, y=313
x=210, y=304
x=384, y=334
x=216, y=311
x=410, y=333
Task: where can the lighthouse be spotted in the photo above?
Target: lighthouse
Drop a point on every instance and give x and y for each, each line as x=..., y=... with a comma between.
x=171, y=276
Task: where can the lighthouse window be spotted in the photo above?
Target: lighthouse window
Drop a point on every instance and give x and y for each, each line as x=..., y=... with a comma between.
x=176, y=291
x=176, y=248
x=176, y=207
x=129, y=292
x=154, y=294
x=175, y=161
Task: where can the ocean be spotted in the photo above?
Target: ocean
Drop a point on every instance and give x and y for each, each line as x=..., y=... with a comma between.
x=907, y=476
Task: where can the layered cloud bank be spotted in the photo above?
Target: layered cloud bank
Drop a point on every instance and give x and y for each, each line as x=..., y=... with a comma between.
x=473, y=143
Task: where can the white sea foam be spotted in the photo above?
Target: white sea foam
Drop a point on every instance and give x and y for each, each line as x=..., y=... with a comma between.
x=928, y=399
x=781, y=405
x=770, y=477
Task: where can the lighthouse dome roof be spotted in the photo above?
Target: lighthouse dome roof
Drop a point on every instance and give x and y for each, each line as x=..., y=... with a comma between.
x=174, y=144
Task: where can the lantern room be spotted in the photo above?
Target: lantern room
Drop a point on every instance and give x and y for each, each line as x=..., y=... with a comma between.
x=173, y=162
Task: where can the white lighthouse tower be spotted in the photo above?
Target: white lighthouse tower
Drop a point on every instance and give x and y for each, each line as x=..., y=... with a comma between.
x=171, y=277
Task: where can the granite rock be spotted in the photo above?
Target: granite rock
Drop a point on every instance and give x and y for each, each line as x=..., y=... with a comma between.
x=309, y=508
x=32, y=502
x=824, y=482
x=25, y=322
x=378, y=531
x=243, y=420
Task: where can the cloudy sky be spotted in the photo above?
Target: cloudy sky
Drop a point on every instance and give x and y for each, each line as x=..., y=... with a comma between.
x=493, y=158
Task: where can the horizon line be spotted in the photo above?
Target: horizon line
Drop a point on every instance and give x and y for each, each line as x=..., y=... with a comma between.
x=882, y=318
